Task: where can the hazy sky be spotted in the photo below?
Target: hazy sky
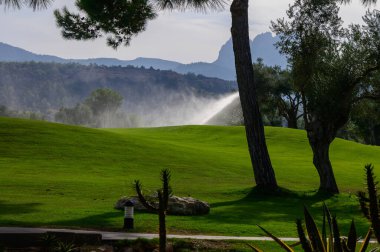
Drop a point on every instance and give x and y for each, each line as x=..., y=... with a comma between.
x=181, y=36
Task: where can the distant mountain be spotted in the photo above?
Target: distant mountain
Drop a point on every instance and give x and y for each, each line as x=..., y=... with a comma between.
x=10, y=53
x=207, y=69
x=223, y=67
x=261, y=47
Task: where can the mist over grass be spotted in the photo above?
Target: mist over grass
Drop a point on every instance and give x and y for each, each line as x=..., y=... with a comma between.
x=44, y=88
x=164, y=109
x=178, y=109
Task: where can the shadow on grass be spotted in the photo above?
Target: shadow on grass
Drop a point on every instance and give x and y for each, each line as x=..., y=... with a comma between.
x=284, y=206
x=100, y=221
x=272, y=210
x=257, y=195
x=104, y=221
x=10, y=208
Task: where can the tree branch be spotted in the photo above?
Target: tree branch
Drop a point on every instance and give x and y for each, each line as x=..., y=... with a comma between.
x=365, y=74
x=374, y=97
x=142, y=199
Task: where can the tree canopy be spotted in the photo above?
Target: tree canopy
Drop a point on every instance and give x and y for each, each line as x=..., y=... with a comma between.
x=333, y=68
x=104, y=100
x=277, y=95
x=99, y=109
x=119, y=20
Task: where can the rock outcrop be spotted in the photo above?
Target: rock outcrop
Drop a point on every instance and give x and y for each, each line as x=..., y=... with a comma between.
x=177, y=205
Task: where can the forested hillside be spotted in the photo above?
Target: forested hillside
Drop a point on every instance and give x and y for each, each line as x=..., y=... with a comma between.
x=44, y=87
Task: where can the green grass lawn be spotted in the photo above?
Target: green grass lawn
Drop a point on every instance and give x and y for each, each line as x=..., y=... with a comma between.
x=63, y=176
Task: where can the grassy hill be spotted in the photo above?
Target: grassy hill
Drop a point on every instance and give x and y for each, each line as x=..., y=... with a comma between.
x=64, y=176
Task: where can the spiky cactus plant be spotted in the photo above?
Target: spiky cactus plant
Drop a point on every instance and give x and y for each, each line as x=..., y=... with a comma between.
x=370, y=205
x=163, y=195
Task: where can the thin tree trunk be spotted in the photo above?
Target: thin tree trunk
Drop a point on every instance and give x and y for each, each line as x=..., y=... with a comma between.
x=262, y=167
x=320, y=141
x=162, y=231
x=376, y=134
x=292, y=121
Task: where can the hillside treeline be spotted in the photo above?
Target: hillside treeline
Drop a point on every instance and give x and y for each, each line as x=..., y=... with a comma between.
x=46, y=87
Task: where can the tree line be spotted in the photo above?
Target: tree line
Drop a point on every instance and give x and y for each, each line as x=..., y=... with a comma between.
x=281, y=105
x=101, y=109
x=46, y=87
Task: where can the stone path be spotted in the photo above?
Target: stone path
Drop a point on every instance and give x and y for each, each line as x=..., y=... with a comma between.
x=130, y=236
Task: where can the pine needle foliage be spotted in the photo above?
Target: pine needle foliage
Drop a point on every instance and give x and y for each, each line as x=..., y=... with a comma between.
x=34, y=4
x=119, y=20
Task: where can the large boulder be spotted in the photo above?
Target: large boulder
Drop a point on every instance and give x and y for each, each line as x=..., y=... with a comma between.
x=176, y=206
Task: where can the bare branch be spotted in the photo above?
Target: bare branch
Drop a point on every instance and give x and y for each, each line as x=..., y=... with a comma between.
x=142, y=199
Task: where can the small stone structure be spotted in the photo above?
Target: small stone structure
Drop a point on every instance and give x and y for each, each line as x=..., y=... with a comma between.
x=177, y=205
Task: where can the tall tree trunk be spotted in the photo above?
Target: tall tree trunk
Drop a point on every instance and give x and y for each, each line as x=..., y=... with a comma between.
x=320, y=137
x=254, y=128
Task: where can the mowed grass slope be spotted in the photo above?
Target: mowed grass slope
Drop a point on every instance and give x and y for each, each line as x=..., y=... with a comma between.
x=63, y=176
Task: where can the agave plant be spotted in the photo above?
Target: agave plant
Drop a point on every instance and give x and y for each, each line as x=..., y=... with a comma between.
x=48, y=241
x=65, y=247
x=329, y=240
x=370, y=205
